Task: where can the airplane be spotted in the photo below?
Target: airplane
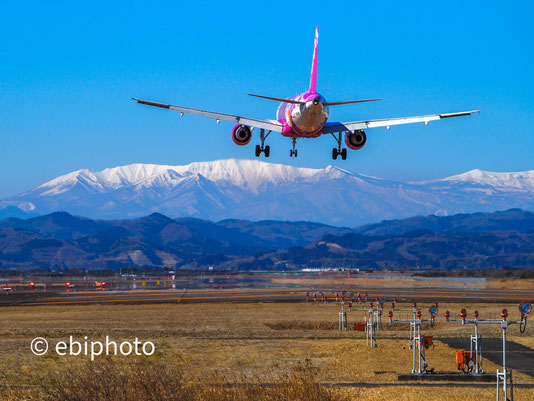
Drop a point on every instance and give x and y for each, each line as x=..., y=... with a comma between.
x=305, y=116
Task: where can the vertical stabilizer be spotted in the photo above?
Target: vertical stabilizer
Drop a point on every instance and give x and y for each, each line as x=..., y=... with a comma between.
x=313, y=80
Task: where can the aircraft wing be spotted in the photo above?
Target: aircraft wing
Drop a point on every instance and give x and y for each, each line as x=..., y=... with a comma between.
x=270, y=125
x=330, y=128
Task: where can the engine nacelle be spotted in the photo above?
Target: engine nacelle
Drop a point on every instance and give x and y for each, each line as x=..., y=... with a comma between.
x=355, y=140
x=241, y=134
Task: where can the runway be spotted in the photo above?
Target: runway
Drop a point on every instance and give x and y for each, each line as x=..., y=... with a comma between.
x=282, y=294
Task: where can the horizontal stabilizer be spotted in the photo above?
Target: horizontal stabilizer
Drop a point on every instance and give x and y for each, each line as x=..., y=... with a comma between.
x=278, y=99
x=351, y=101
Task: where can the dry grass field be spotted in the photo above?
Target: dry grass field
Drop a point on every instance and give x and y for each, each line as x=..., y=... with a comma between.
x=213, y=351
x=391, y=280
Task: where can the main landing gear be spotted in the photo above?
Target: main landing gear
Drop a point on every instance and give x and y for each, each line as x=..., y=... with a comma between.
x=338, y=151
x=293, y=152
x=266, y=150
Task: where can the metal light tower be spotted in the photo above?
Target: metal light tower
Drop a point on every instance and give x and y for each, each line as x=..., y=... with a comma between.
x=504, y=377
x=417, y=341
x=343, y=324
x=372, y=327
x=475, y=341
x=370, y=324
x=414, y=310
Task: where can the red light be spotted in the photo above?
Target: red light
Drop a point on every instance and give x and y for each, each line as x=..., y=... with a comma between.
x=68, y=284
x=104, y=283
x=32, y=284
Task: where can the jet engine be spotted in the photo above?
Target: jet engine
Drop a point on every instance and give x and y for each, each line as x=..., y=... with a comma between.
x=241, y=134
x=355, y=140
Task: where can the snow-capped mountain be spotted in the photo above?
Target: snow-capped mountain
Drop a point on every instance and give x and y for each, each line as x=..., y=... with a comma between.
x=255, y=190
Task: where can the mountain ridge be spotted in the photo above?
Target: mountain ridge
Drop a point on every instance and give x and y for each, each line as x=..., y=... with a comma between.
x=61, y=241
x=257, y=190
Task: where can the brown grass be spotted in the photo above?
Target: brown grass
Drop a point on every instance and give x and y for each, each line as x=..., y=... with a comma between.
x=302, y=325
x=254, y=345
x=111, y=380
x=394, y=282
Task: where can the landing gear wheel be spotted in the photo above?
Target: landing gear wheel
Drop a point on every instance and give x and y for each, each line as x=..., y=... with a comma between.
x=334, y=153
x=290, y=152
x=266, y=150
x=296, y=154
x=344, y=154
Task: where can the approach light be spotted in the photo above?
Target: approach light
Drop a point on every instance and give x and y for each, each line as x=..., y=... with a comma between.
x=525, y=308
x=433, y=310
x=504, y=313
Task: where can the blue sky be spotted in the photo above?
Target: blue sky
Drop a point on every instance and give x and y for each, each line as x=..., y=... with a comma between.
x=67, y=72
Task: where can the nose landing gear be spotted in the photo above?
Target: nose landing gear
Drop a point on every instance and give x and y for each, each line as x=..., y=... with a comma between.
x=266, y=150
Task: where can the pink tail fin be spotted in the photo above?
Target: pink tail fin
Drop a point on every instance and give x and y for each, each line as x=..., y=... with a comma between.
x=313, y=80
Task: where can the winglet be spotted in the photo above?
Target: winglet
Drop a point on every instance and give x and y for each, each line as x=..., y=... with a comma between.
x=313, y=80
x=478, y=110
